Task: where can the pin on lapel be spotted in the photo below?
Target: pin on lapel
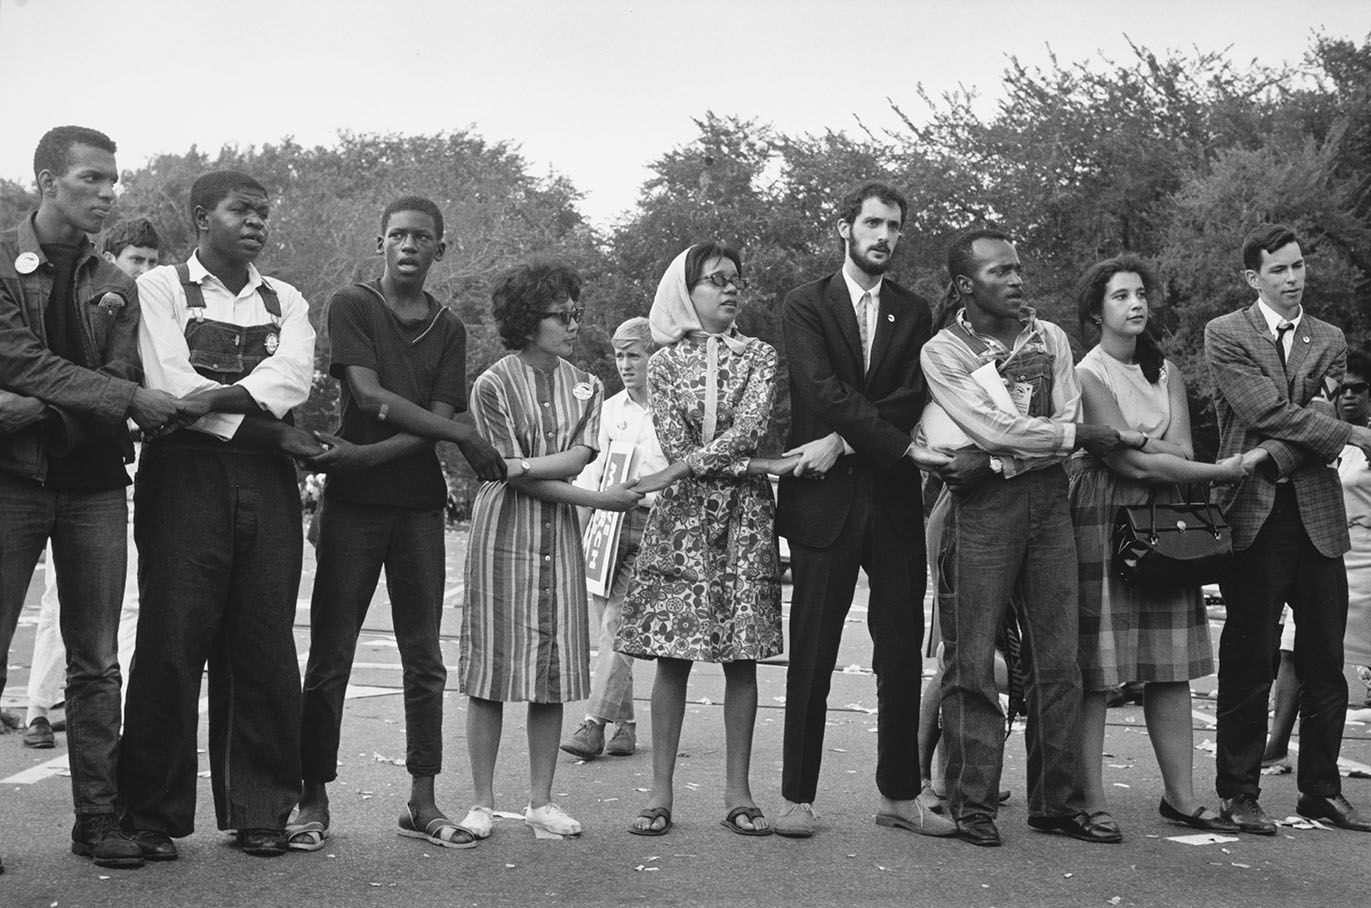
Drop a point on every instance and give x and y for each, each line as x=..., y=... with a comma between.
x=1305, y=338
x=890, y=317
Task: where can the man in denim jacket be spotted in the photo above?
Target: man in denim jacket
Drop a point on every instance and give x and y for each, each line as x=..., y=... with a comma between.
x=69, y=376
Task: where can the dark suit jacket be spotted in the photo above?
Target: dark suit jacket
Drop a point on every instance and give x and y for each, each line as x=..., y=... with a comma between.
x=1257, y=404
x=875, y=412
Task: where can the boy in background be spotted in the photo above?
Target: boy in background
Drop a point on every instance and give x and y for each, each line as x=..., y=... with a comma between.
x=625, y=418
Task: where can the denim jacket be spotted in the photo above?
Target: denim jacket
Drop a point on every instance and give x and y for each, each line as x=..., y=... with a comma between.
x=81, y=402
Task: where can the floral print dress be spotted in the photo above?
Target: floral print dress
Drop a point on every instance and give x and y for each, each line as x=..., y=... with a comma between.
x=707, y=583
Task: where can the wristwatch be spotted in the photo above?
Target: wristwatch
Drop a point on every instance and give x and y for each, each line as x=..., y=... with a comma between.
x=996, y=466
x=524, y=467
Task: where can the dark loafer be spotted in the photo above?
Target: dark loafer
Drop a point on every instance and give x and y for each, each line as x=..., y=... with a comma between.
x=39, y=734
x=1098, y=827
x=1196, y=820
x=1335, y=810
x=1244, y=811
x=263, y=843
x=978, y=829
x=156, y=846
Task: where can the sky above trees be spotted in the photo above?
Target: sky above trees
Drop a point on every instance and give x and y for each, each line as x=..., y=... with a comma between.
x=593, y=89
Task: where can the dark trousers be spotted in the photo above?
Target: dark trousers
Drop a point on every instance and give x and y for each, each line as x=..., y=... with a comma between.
x=355, y=542
x=824, y=583
x=1010, y=540
x=219, y=551
x=1281, y=566
x=88, y=532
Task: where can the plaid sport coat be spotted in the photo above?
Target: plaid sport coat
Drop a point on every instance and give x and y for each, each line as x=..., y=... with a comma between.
x=1260, y=404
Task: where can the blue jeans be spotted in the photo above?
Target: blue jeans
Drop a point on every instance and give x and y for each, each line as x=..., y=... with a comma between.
x=88, y=530
x=355, y=541
x=1011, y=540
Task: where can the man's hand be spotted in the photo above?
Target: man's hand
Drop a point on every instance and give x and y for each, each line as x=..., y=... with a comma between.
x=339, y=455
x=1253, y=459
x=18, y=412
x=299, y=443
x=927, y=458
x=484, y=459
x=191, y=408
x=1361, y=437
x=621, y=497
x=1102, y=441
x=966, y=470
x=817, y=456
x=152, y=409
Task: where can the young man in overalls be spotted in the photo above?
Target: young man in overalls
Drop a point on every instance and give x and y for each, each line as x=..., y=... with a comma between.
x=1009, y=530
x=217, y=521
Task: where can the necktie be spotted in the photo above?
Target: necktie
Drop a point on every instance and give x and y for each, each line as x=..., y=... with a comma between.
x=1282, y=329
x=864, y=328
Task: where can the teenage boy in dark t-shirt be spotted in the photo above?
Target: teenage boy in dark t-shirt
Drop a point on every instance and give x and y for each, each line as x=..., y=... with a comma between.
x=401, y=359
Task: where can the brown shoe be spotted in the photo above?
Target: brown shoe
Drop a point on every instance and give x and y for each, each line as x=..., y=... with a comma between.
x=625, y=741
x=587, y=741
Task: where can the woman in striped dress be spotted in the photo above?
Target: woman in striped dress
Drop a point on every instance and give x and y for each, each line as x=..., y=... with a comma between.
x=524, y=628
x=1157, y=636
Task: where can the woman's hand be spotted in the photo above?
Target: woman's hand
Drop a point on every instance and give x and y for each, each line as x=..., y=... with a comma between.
x=622, y=497
x=1234, y=470
x=655, y=482
x=778, y=466
x=1254, y=458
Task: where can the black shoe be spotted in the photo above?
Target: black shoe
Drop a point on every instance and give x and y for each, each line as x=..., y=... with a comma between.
x=978, y=829
x=98, y=837
x=1098, y=827
x=263, y=843
x=156, y=846
x=39, y=734
x=1335, y=810
x=1244, y=811
x=1212, y=823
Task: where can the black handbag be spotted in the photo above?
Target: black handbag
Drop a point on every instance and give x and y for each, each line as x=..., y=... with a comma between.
x=1168, y=545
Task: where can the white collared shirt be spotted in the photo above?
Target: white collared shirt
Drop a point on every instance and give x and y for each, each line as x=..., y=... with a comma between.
x=1274, y=318
x=855, y=291
x=282, y=381
x=622, y=419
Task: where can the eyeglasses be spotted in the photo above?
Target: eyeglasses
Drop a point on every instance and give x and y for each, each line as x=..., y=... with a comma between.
x=719, y=279
x=1356, y=387
x=565, y=316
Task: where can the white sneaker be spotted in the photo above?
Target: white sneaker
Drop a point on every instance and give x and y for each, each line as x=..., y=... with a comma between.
x=551, y=818
x=479, y=821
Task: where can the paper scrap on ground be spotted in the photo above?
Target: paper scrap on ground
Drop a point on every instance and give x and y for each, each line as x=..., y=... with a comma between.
x=1201, y=838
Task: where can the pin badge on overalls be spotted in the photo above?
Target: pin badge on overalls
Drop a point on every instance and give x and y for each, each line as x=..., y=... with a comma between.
x=26, y=263
x=271, y=343
x=582, y=390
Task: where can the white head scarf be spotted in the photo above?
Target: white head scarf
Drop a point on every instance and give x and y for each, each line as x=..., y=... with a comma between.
x=673, y=317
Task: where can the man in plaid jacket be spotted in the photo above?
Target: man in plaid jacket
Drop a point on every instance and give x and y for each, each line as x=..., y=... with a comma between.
x=1273, y=365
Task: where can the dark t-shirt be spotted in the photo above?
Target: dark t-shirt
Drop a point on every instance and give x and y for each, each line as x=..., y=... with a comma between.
x=97, y=465
x=423, y=361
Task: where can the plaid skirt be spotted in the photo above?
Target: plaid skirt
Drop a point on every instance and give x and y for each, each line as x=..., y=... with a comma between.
x=1126, y=633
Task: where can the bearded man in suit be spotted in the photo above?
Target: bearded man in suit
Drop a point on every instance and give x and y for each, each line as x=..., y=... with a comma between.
x=1273, y=364
x=853, y=339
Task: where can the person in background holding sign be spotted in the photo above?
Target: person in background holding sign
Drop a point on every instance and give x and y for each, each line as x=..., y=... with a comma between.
x=1008, y=530
x=707, y=585
x=1273, y=365
x=401, y=359
x=217, y=521
x=524, y=630
x=625, y=422
x=1159, y=636
x=69, y=378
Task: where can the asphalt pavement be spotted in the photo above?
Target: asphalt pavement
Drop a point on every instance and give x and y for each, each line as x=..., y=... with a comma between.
x=850, y=862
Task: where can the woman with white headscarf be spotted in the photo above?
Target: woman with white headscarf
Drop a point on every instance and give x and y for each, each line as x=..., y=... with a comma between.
x=707, y=585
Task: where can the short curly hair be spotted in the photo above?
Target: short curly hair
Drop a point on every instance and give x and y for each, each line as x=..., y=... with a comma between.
x=523, y=293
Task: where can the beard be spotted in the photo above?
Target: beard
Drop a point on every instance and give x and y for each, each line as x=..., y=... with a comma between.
x=866, y=263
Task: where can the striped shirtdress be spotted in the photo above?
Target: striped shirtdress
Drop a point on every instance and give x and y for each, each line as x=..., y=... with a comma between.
x=525, y=629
